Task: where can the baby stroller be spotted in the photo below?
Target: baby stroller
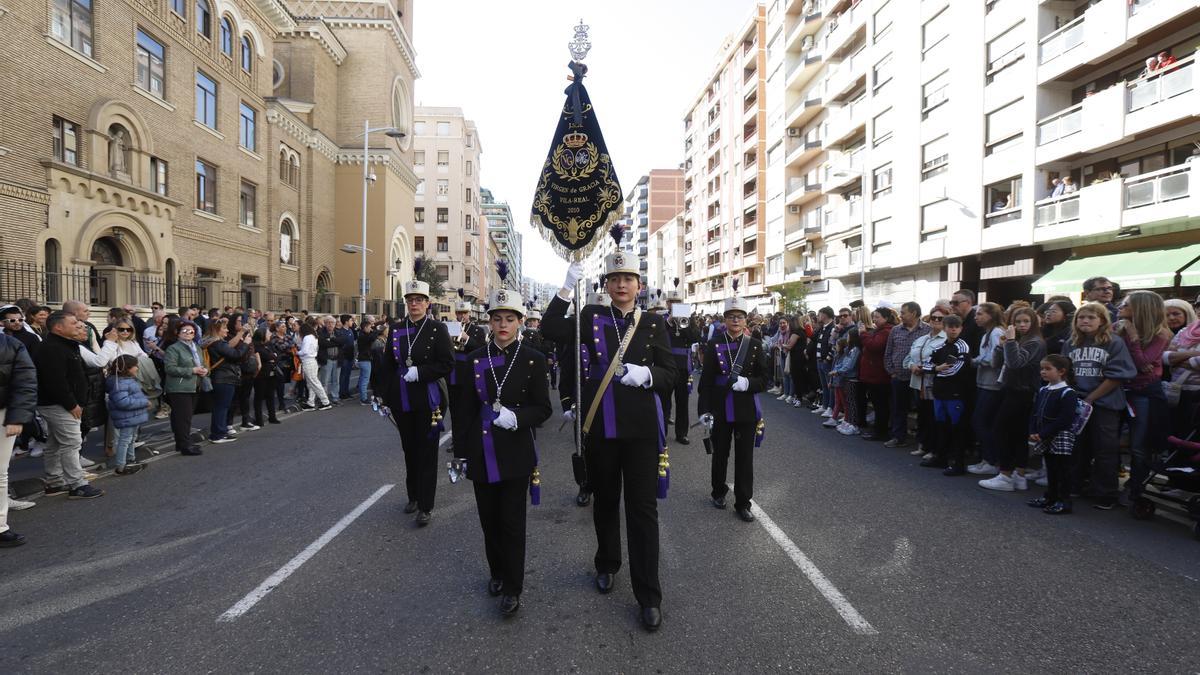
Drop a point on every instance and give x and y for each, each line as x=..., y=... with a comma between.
x=1173, y=482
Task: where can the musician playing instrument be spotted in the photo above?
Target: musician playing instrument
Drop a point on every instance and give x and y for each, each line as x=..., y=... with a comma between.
x=471, y=337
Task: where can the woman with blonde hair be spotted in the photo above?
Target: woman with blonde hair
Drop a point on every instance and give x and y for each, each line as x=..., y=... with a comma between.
x=1143, y=327
x=1180, y=314
x=1101, y=365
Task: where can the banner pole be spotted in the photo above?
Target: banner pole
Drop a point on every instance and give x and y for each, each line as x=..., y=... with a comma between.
x=578, y=375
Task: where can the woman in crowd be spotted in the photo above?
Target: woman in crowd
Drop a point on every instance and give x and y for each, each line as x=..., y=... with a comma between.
x=225, y=353
x=872, y=374
x=184, y=367
x=308, y=365
x=37, y=320
x=1056, y=324
x=921, y=352
x=785, y=340
x=795, y=346
x=119, y=340
x=1142, y=325
x=1018, y=357
x=989, y=317
x=1183, y=389
x=268, y=374
x=1180, y=313
x=1101, y=365
x=364, y=340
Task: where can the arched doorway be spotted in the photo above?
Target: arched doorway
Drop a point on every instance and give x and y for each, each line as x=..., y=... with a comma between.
x=324, y=283
x=53, y=256
x=106, y=252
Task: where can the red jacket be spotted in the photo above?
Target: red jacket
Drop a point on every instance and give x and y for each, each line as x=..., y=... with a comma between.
x=870, y=366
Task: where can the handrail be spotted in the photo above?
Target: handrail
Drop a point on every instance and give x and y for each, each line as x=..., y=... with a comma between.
x=1066, y=122
x=1156, y=187
x=1070, y=35
x=1158, y=173
x=1161, y=80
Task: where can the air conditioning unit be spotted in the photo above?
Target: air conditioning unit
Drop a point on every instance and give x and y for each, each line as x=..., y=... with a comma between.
x=807, y=43
x=793, y=131
x=794, y=209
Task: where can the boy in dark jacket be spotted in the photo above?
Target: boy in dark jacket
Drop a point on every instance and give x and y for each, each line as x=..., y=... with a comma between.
x=952, y=384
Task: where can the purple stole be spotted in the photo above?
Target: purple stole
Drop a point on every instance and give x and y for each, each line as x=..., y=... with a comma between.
x=725, y=364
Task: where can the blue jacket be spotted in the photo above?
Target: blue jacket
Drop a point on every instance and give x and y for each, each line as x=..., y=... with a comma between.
x=127, y=405
x=847, y=364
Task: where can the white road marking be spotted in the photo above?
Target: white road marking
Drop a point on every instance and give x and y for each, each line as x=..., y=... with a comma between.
x=823, y=585
x=294, y=564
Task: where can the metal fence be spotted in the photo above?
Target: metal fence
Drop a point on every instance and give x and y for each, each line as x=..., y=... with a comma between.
x=279, y=301
x=50, y=286
x=190, y=292
x=147, y=288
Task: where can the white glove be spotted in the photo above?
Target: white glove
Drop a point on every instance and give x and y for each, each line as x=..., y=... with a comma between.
x=636, y=376
x=574, y=274
x=740, y=384
x=707, y=420
x=569, y=415
x=506, y=419
x=411, y=374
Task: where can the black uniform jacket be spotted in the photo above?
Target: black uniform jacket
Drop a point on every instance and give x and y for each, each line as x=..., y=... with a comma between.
x=507, y=454
x=476, y=338
x=682, y=340
x=624, y=412
x=432, y=356
x=716, y=396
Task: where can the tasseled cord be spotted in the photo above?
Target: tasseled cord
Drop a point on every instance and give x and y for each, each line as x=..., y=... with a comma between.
x=664, y=473
x=535, y=487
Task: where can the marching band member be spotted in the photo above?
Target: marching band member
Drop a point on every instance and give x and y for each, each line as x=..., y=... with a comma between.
x=471, y=337
x=682, y=336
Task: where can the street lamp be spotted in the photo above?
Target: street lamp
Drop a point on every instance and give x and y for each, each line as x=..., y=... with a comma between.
x=368, y=178
x=862, y=234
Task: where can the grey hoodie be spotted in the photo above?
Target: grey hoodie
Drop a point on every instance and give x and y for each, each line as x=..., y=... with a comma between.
x=1094, y=363
x=1020, y=364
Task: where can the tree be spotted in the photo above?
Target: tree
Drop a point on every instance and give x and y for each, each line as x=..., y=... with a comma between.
x=425, y=270
x=792, y=297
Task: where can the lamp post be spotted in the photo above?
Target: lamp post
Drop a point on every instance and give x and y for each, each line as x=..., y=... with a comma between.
x=368, y=178
x=862, y=236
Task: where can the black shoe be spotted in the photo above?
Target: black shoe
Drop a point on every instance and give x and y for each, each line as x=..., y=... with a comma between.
x=192, y=451
x=410, y=507
x=583, y=498
x=10, y=539
x=52, y=490
x=933, y=463
x=1059, y=508
x=604, y=582
x=509, y=604
x=745, y=515
x=682, y=440
x=273, y=421
x=954, y=470
x=495, y=587
x=651, y=618
x=719, y=502
x=305, y=406
x=423, y=518
x=670, y=421
x=327, y=406
x=869, y=437
x=129, y=469
x=1105, y=503
x=85, y=492
x=1039, y=503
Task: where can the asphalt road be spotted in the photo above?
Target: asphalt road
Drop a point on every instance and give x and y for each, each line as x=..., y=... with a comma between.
x=874, y=565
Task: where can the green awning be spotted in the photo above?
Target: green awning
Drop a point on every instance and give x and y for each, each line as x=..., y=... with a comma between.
x=1154, y=268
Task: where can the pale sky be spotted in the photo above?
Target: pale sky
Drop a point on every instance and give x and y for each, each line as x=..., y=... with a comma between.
x=505, y=65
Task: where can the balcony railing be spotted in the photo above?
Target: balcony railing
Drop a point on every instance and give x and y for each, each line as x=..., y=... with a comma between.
x=1061, y=41
x=1168, y=83
x=1060, y=125
x=1057, y=210
x=1002, y=216
x=1159, y=186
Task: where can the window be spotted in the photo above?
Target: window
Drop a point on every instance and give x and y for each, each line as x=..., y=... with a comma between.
x=206, y=186
x=443, y=272
x=1002, y=199
x=467, y=275
x=934, y=93
x=287, y=242
x=882, y=73
x=247, y=54
x=151, y=60
x=935, y=219
x=419, y=160
x=935, y=30
x=880, y=238
x=158, y=176
x=467, y=249
x=246, y=127
x=470, y=167
x=71, y=24
x=443, y=128
x=470, y=195
x=204, y=18
x=246, y=204
x=883, y=127
x=419, y=244
x=443, y=244
x=419, y=128
x=226, y=37
x=443, y=215
x=1005, y=50
x=935, y=157
x=443, y=187
x=420, y=188
x=419, y=214
x=66, y=141
x=883, y=20
x=1004, y=127
x=443, y=158
x=206, y=100
x=179, y=7
x=468, y=222
x=881, y=180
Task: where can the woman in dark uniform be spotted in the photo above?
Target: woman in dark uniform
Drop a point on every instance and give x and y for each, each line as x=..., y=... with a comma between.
x=510, y=398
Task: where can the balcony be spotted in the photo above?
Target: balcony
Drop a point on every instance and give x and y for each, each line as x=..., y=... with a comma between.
x=1161, y=197
x=802, y=149
x=793, y=238
x=842, y=220
x=845, y=26
x=799, y=191
x=844, y=172
x=845, y=121
x=845, y=76
x=809, y=105
x=1061, y=41
x=804, y=25
x=1056, y=210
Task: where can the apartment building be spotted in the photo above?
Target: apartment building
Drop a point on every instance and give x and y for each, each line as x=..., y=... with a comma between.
x=921, y=144
x=725, y=174
x=501, y=229
x=205, y=151
x=447, y=225
x=665, y=262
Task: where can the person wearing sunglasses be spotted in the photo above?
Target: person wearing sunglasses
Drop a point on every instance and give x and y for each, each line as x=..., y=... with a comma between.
x=1103, y=291
x=14, y=326
x=121, y=339
x=919, y=352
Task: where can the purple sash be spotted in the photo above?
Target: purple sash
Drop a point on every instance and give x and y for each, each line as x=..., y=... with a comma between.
x=608, y=400
x=723, y=380
x=481, y=367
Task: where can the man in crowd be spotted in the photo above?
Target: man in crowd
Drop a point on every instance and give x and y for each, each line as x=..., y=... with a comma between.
x=328, y=353
x=62, y=396
x=824, y=353
x=963, y=304
x=900, y=339
x=14, y=327
x=1101, y=290
x=18, y=397
x=344, y=335
x=682, y=336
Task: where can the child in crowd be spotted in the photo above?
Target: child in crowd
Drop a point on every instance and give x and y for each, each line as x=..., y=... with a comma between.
x=952, y=383
x=847, y=368
x=128, y=409
x=835, y=381
x=1050, y=427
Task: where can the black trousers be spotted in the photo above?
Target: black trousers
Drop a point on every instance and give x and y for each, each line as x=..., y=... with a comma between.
x=182, y=408
x=458, y=428
x=501, y=509
x=634, y=462
x=1011, y=429
x=679, y=399
x=264, y=392
x=880, y=396
x=1058, y=478
x=741, y=436
x=241, y=402
x=420, y=456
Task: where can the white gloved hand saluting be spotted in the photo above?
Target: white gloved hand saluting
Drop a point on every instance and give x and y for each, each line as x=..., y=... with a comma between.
x=740, y=384
x=636, y=376
x=506, y=419
x=574, y=274
x=411, y=374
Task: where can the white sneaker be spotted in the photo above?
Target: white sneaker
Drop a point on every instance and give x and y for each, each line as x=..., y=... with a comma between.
x=819, y=410
x=827, y=413
x=797, y=404
x=848, y=430
x=831, y=423
x=982, y=469
x=773, y=390
x=1020, y=482
x=85, y=463
x=231, y=431
x=928, y=455
x=1034, y=475
x=999, y=482
x=252, y=427
x=918, y=452
x=781, y=397
x=19, y=505
x=35, y=451
x=1043, y=482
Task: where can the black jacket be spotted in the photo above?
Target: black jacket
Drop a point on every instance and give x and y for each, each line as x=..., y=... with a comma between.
x=344, y=337
x=526, y=392
x=432, y=356
x=681, y=341
x=716, y=383
x=637, y=408
x=18, y=382
x=363, y=342
x=62, y=380
x=230, y=369
x=31, y=341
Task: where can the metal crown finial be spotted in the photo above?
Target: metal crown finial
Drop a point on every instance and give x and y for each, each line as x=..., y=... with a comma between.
x=580, y=46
